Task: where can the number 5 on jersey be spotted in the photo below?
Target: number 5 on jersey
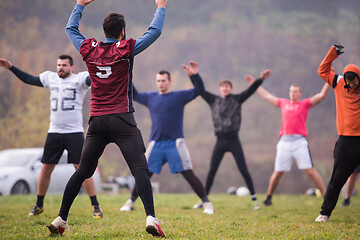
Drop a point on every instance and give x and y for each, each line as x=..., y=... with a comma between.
x=105, y=71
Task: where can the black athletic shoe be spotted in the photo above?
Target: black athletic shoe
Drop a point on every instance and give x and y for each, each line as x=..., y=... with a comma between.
x=97, y=212
x=267, y=202
x=36, y=211
x=345, y=203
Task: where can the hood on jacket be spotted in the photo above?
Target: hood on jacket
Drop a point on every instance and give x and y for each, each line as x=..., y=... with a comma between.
x=353, y=69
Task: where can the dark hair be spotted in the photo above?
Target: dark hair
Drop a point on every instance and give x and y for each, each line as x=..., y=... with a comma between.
x=350, y=76
x=64, y=56
x=165, y=72
x=225, y=81
x=113, y=24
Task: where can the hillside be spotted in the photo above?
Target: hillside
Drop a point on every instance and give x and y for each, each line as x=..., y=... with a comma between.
x=229, y=39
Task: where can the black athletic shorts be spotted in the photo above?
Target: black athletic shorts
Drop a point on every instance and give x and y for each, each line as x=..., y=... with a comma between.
x=56, y=143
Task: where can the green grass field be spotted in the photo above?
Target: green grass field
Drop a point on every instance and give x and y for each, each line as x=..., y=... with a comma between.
x=290, y=217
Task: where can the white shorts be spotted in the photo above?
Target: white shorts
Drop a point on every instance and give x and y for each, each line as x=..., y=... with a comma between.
x=292, y=147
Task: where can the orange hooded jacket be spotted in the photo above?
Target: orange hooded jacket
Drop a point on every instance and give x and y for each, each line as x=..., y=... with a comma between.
x=347, y=99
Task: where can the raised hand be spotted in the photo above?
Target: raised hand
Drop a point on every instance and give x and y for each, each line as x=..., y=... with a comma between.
x=161, y=3
x=84, y=2
x=338, y=49
x=192, y=69
x=250, y=79
x=265, y=74
x=5, y=63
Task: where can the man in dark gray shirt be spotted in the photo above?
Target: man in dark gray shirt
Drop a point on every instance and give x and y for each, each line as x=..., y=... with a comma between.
x=226, y=115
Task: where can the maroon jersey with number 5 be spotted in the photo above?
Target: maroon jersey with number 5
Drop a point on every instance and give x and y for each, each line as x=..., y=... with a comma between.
x=110, y=68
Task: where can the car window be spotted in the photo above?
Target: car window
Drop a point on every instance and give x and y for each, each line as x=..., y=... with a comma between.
x=15, y=158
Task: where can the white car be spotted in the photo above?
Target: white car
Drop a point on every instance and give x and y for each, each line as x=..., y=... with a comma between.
x=20, y=169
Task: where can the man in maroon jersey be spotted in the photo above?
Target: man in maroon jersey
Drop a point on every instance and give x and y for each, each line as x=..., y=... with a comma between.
x=111, y=116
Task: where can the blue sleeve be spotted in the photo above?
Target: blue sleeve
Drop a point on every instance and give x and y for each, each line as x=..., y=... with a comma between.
x=140, y=97
x=72, y=27
x=26, y=78
x=153, y=33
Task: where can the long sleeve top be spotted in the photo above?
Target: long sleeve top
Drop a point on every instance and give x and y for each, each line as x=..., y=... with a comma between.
x=66, y=98
x=347, y=99
x=110, y=63
x=167, y=110
x=226, y=112
x=149, y=37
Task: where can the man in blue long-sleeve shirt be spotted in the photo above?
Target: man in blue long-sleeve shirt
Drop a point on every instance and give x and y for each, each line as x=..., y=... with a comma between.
x=166, y=142
x=110, y=66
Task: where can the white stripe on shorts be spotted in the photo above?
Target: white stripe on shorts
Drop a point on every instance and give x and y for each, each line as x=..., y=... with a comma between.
x=184, y=153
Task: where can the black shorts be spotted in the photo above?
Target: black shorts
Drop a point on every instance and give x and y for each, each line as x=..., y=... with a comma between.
x=56, y=143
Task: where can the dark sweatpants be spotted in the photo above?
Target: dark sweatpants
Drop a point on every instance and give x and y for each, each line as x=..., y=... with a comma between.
x=233, y=145
x=347, y=158
x=119, y=129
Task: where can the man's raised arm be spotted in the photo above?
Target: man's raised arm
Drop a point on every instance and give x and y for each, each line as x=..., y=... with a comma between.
x=262, y=91
x=23, y=76
x=317, y=98
x=154, y=30
x=72, y=27
x=193, y=72
x=324, y=70
x=252, y=88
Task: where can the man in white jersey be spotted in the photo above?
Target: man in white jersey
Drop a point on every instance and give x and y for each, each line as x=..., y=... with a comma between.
x=67, y=92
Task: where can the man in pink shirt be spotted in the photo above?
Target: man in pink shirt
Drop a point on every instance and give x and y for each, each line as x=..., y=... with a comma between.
x=293, y=132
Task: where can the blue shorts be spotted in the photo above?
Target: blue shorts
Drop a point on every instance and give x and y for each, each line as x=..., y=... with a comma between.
x=174, y=152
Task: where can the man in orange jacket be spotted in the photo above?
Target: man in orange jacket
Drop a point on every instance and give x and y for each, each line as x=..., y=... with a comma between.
x=347, y=148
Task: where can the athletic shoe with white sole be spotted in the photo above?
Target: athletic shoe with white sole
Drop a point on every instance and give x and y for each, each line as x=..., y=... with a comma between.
x=128, y=206
x=36, y=210
x=208, y=208
x=322, y=218
x=153, y=227
x=198, y=205
x=256, y=206
x=58, y=226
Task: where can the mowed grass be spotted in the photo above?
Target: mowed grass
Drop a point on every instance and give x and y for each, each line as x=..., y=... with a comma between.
x=290, y=217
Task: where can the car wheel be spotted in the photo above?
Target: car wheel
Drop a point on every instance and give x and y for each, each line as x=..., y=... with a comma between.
x=20, y=187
